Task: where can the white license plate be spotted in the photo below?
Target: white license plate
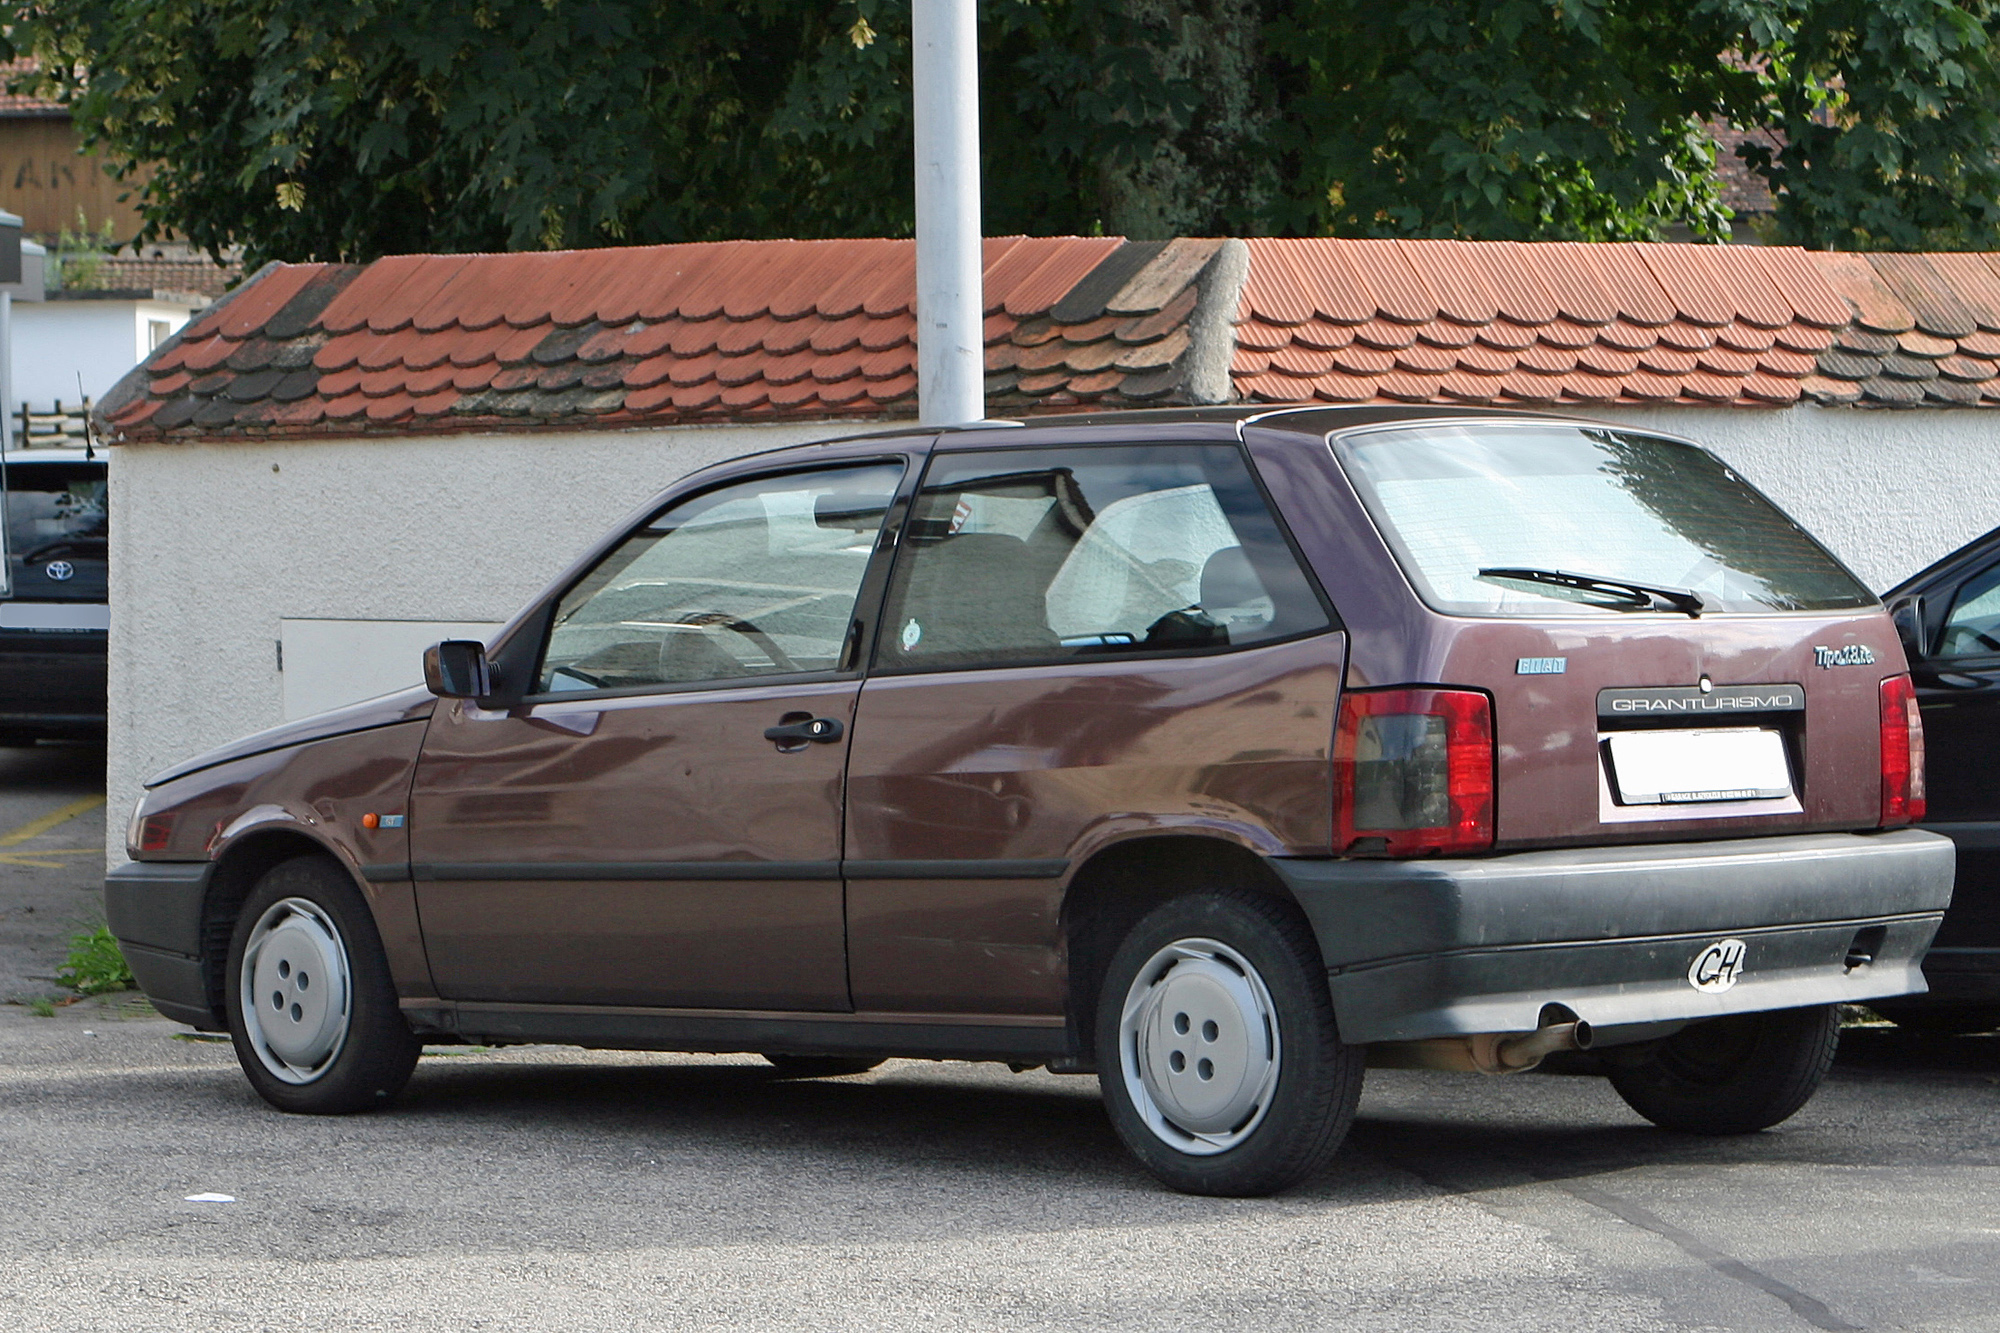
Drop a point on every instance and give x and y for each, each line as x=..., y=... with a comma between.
x=1678, y=767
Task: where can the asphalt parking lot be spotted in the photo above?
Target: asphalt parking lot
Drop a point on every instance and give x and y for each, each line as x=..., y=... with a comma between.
x=555, y=1188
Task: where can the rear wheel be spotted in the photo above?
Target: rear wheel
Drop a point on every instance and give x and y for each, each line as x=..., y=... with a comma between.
x=1222, y=1069
x=820, y=1066
x=1942, y=1020
x=312, y=1009
x=1733, y=1075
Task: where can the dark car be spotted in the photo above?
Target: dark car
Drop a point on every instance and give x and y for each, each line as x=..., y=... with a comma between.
x=1949, y=618
x=54, y=621
x=1216, y=753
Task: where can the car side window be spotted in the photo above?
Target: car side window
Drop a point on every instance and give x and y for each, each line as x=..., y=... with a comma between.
x=755, y=579
x=1017, y=556
x=1973, y=627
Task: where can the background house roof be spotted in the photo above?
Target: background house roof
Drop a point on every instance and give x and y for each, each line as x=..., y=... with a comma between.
x=774, y=330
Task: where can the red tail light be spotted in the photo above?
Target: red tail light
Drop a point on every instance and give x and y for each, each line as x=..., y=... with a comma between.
x=1902, y=754
x=1413, y=768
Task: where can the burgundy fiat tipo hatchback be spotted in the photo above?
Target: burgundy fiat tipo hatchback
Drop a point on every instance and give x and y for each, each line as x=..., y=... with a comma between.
x=1220, y=754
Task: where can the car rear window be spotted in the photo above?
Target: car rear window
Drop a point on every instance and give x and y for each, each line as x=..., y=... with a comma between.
x=1461, y=503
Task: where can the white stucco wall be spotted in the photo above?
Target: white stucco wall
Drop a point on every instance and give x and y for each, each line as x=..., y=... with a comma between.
x=57, y=341
x=213, y=546
x=1888, y=491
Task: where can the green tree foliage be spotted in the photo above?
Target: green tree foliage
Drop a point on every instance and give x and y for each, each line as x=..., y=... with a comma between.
x=322, y=128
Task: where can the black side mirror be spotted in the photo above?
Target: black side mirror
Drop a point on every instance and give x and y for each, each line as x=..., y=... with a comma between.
x=1907, y=614
x=456, y=669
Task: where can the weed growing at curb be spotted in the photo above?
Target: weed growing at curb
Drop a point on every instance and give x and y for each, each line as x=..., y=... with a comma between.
x=42, y=1008
x=95, y=966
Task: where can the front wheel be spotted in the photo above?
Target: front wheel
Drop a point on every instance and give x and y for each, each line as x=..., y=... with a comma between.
x=1733, y=1075
x=1222, y=1069
x=312, y=1009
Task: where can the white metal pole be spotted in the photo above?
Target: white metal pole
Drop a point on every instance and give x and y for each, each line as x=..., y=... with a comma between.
x=951, y=363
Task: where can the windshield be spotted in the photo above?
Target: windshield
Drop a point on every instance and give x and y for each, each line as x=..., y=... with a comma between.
x=1460, y=504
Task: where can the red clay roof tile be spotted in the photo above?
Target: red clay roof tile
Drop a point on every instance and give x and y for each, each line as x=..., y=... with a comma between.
x=1356, y=360
x=1276, y=289
x=1780, y=361
x=1590, y=388
x=1384, y=334
x=1507, y=335
x=1742, y=337
x=1462, y=293
x=1683, y=336
x=1876, y=308
x=249, y=312
x=1937, y=309
x=1468, y=387
x=1579, y=294
x=1408, y=388
x=1549, y=360
x=1606, y=360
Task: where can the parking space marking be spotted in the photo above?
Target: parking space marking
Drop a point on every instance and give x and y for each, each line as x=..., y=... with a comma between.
x=34, y=828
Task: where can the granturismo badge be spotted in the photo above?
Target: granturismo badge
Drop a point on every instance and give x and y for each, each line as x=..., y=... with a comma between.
x=1854, y=654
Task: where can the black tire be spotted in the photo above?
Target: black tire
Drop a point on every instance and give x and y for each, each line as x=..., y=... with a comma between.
x=1942, y=1020
x=820, y=1066
x=376, y=1053
x=1733, y=1075
x=1297, y=1120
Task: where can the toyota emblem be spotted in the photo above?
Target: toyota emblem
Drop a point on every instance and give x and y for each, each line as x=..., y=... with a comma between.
x=61, y=570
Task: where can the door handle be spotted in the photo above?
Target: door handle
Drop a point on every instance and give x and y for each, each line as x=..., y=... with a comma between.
x=825, y=730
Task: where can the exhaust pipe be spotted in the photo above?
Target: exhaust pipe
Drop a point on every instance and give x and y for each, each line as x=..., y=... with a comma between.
x=1483, y=1052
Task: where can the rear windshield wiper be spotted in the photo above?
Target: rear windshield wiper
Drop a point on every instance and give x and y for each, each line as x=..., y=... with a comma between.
x=1638, y=596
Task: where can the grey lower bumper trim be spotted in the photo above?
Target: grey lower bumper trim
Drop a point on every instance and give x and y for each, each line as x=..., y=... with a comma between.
x=174, y=983
x=158, y=904
x=1421, y=949
x=1373, y=911
x=1610, y=983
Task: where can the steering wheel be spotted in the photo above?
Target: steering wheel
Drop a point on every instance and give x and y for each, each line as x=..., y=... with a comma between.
x=736, y=625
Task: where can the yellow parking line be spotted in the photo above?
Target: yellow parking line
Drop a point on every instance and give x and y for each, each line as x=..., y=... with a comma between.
x=34, y=828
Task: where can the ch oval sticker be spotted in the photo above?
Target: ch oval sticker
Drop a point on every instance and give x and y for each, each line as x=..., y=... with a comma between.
x=1716, y=968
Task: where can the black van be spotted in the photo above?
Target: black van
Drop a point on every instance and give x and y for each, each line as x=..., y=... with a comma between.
x=54, y=621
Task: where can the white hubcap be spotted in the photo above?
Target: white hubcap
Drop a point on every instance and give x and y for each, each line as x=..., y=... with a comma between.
x=1199, y=1046
x=296, y=990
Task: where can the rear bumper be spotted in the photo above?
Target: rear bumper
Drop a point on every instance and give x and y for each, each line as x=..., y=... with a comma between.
x=1419, y=949
x=154, y=909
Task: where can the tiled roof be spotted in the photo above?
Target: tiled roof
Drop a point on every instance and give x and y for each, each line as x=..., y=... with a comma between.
x=1925, y=330
x=1356, y=321
x=137, y=272
x=777, y=330
x=18, y=104
x=656, y=335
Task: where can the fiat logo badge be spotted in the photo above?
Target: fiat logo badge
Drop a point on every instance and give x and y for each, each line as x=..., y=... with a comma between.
x=1716, y=968
x=61, y=570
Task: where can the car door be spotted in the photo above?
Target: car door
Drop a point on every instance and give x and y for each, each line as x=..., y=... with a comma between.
x=1958, y=688
x=658, y=823
x=1078, y=644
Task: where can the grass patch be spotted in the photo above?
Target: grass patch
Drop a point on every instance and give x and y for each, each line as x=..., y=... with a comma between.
x=42, y=1008
x=95, y=966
